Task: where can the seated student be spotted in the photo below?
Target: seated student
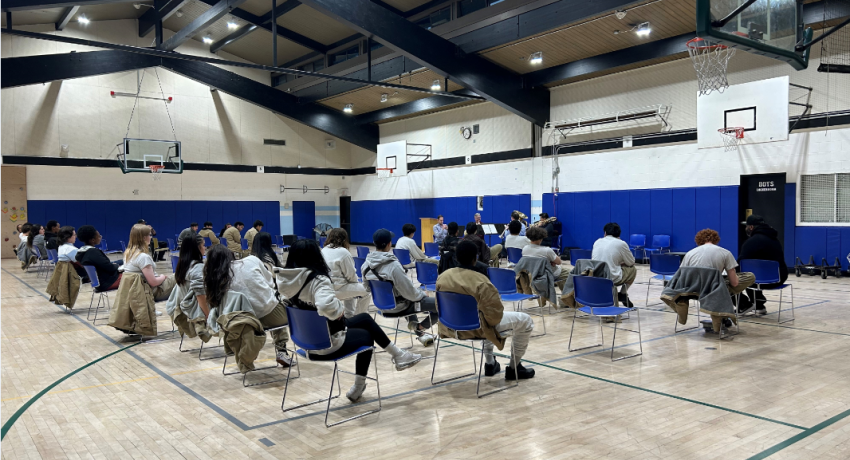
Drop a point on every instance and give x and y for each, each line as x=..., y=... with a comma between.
x=224, y=229
x=67, y=252
x=485, y=254
x=547, y=223
x=157, y=255
x=621, y=262
x=381, y=264
x=107, y=271
x=24, y=252
x=535, y=248
x=262, y=249
x=762, y=243
x=448, y=257
x=207, y=232
x=343, y=274
x=249, y=277
x=250, y=234
x=191, y=230
x=407, y=242
x=51, y=241
x=15, y=245
x=233, y=238
x=36, y=240
x=495, y=320
x=708, y=254
x=24, y=232
x=189, y=278
x=306, y=282
x=517, y=238
x=137, y=261
x=514, y=218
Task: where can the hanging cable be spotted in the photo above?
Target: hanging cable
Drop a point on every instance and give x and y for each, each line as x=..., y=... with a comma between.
x=165, y=101
x=135, y=102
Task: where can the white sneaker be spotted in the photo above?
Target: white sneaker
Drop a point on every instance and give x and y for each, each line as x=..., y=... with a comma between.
x=355, y=392
x=426, y=340
x=406, y=360
x=158, y=313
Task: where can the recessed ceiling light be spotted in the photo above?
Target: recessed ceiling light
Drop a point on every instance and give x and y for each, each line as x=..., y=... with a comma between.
x=385, y=97
x=643, y=29
x=536, y=58
x=179, y=13
x=435, y=86
x=83, y=20
x=348, y=108
x=232, y=25
x=207, y=39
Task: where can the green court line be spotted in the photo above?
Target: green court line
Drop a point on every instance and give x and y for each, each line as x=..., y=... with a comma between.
x=800, y=436
x=8, y=425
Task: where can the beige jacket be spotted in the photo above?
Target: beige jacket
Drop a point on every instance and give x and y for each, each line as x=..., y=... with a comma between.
x=249, y=235
x=490, y=308
x=64, y=285
x=207, y=233
x=243, y=336
x=233, y=239
x=133, y=309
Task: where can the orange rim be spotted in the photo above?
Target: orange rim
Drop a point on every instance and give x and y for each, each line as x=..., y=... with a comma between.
x=156, y=168
x=691, y=44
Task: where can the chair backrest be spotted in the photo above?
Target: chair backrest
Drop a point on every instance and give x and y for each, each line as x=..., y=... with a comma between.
x=403, y=256
x=36, y=251
x=171, y=244
x=514, y=254
x=426, y=273
x=53, y=255
x=102, y=246
x=358, y=265
x=664, y=264
x=765, y=271
x=307, y=329
x=289, y=240
x=123, y=246
x=458, y=311
x=92, y=272
x=174, y=260
x=278, y=240
x=207, y=241
x=504, y=279
x=382, y=294
x=244, y=244
x=362, y=251
x=594, y=292
x=637, y=239
x=661, y=241
x=576, y=254
x=432, y=249
x=322, y=240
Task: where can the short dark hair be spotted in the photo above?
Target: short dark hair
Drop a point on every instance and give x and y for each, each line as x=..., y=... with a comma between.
x=471, y=228
x=258, y=223
x=51, y=224
x=466, y=253
x=439, y=217
x=408, y=229
x=452, y=227
x=514, y=227
x=193, y=224
x=141, y=221
x=65, y=233
x=238, y=223
x=515, y=215
x=536, y=234
x=611, y=228
x=26, y=227
x=207, y=224
x=86, y=233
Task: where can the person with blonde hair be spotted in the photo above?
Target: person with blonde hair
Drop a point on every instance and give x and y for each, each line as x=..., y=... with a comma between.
x=337, y=255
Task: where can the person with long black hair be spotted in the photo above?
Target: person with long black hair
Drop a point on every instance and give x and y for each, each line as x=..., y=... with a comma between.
x=249, y=277
x=262, y=249
x=189, y=275
x=306, y=282
x=344, y=275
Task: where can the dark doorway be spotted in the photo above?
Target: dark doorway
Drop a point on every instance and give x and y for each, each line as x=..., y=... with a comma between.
x=304, y=218
x=762, y=194
x=345, y=214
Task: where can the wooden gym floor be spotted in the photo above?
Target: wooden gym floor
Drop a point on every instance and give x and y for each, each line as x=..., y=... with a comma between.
x=777, y=391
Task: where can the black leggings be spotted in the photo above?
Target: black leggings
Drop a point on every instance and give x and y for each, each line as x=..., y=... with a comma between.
x=362, y=331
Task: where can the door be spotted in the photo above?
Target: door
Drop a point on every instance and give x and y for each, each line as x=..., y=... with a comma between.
x=345, y=214
x=762, y=194
x=304, y=218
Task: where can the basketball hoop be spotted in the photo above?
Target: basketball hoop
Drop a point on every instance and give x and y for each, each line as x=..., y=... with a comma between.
x=710, y=60
x=731, y=137
x=156, y=170
x=384, y=173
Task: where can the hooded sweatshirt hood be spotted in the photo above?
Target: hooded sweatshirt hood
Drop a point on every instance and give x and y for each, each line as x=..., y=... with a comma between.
x=765, y=230
x=290, y=280
x=318, y=293
x=389, y=268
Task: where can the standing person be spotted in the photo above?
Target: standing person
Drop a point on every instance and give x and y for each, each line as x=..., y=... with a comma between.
x=250, y=234
x=407, y=242
x=191, y=230
x=306, y=281
x=382, y=265
x=337, y=255
x=139, y=262
x=621, y=262
x=233, y=237
x=207, y=232
x=36, y=240
x=51, y=239
x=762, y=243
x=479, y=227
x=440, y=230
x=157, y=256
x=107, y=271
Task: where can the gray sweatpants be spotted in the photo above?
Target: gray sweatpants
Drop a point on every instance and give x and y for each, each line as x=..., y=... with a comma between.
x=513, y=324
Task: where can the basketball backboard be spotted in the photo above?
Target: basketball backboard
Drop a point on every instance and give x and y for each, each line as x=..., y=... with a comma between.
x=140, y=154
x=771, y=28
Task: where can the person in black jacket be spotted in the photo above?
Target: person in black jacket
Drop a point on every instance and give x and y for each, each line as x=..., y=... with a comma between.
x=448, y=252
x=107, y=271
x=547, y=223
x=764, y=245
x=51, y=238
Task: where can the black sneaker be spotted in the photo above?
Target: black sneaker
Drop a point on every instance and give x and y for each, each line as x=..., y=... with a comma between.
x=624, y=299
x=521, y=373
x=492, y=369
x=727, y=323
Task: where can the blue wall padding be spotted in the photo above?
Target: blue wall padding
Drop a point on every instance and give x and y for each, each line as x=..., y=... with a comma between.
x=661, y=215
x=303, y=218
x=113, y=219
x=845, y=248
x=730, y=221
x=683, y=228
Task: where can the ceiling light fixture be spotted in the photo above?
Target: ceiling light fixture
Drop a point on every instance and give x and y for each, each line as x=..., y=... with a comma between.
x=179, y=13
x=207, y=40
x=643, y=29
x=435, y=86
x=83, y=20
x=536, y=58
x=348, y=108
x=232, y=25
x=620, y=14
x=385, y=97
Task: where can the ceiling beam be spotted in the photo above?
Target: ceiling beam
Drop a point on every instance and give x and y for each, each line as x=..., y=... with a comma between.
x=206, y=19
x=386, y=5
x=485, y=78
x=148, y=21
x=31, y=70
x=248, y=28
x=412, y=107
x=66, y=16
x=23, y=5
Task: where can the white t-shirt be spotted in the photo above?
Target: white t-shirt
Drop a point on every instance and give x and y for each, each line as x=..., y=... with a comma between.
x=416, y=254
x=138, y=263
x=24, y=238
x=67, y=253
x=544, y=252
x=711, y=256
x=615, y=252
x=516, y=241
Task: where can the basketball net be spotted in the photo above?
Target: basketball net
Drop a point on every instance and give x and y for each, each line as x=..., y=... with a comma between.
x=384, y=173
x=156, y=170
x=731, y=137
x=710, y=60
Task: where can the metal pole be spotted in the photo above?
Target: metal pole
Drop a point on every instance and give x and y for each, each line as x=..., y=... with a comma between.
x=157, y=5
x=9, y=20
x=369, y=58
x=274, y=32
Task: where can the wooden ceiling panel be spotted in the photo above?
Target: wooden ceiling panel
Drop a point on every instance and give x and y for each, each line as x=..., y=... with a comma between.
x=310, y=23
x=405, y=5
x=257, y=47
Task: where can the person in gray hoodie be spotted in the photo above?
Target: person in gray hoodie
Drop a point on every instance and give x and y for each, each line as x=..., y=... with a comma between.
x=382, y=265
x=306, y=283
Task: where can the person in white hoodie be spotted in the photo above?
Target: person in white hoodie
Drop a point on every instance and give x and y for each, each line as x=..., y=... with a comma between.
x=382, y=265
x=407, y=242
x=343, y=274
x=306, y=283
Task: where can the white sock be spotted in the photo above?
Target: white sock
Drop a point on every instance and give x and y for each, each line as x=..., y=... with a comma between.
x=359, y=380
x=488, y=357
x=393, y=350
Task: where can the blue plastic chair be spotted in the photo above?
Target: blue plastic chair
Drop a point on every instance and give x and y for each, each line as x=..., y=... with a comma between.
x=362, y=252
x=207, y=241
x=432, y=250
x=172, y=246
x=403, y=256
x=767, y=272
x=514, y=254
x=322, y=240
x=660, y=244
x=123, y=246
x=244, y=244
x=309, y=332
x=174, y=260
x=358, y=267
x=637, y=242
x=40, y=262
x=663, y=267
x=596, y=295
x=102, y=297
x=426, y=274
x=383, y=298
x=53, y=257
x=577, y=254
x=505, y=281
x=459, y=312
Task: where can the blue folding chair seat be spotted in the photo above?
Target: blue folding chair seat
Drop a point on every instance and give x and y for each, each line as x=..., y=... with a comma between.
x=384, y=299
x=459, y=312
x=767, y=272
x=309, y=332
x=432, y=250
x=505, y=281
x=596, y=295
x=403, y=256
x=53, y=258
x=637, y=243
x=426, y=274
x=663, y=266
x=358, y=267
x=174, y=260
x=207, y=241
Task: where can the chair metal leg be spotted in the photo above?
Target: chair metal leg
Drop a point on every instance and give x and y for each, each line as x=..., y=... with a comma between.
x=648, y=284
x=614, y=340
x=201, y=350
x=481, y=368
x=779, y=316
x=434, y=367
x=542, y=317
x=570, y=343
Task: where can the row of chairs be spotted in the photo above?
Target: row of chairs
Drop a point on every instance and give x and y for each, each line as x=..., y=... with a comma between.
x=660, y=244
